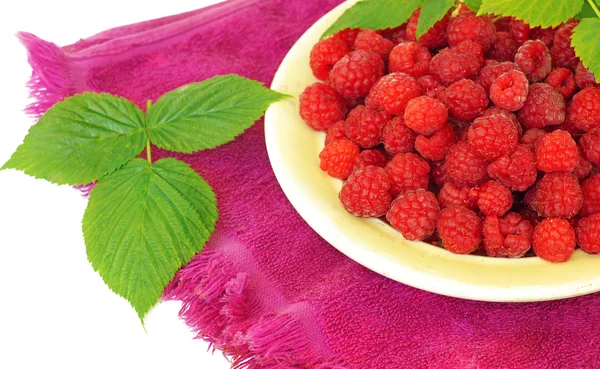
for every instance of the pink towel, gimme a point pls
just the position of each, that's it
(267, 290)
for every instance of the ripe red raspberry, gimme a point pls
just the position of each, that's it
(583, 168)
(554, 240)
(438, 173)
(410, 58)
(436, 147)
(590, 145)
(509, 91)
(435, 38)
(337, 158)
(546, 35)
(425, 115)
(369, 40)
(502, 24)
(492, 70)
(519, 30)
(356, 72)
(325, 54)
(450, 65)
(466, 100)
(588, 234)
(493, 136)
(397, 137)
(516, 170)
(510, 236)
(451, 194)
(459, 229)
(503, 49)
(557, 195)
(365, 193)
(336, 131)
(321, 106)
(531, 136)
(399, 35)
(392, 92)
(493, 198)
(348, 35)
(464, 167)
(557, 152)
(364, 126)
(466, 27)
(428, 83)
(414, 214)
(370, 157)
(533, 58)
(591, 196)
(407, 172)
(563, 54)
(563, 81)
(472, 48)
(544, 107)
(584, 77)
(494, 110)
(584, 110)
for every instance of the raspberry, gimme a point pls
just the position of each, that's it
(554, 240)
(436, 147)
(407, 172)
(509, 91)
(392, 92)
(493, 136)
(534, 59)
(410, 58)
(591, 196)
(369, 40)
(557, 152)
(519, 30)
(451, 194)
(336, 132)
(325, 54)
(563, 54)
(590, 145)
(459, 229)
(588, 234)
(397, 137)
(337, 158)
(414, 214)
(450, 65)
(370, 157)
(399, 35)
(493, 70)
(517, 170)
(583, 168)
(503, 49)
(466, 100)
(464, 167)
(557, 195)
(425, 115)
(364, 126)
(544, 107)
(348, 35)
(510, 236)
(428, 83)
(584, 77)
(438, 173)
(584, 110)
(531, 136)
(356, 72)
(321, 106)
(365, 193)
(466, 27)
(563, 81)
(493, 198)
(472, 48)
(494, 110)
(502, 24)
(435, 38)
(546, 35)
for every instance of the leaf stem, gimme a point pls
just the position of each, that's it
(148, 148)
(593, 5)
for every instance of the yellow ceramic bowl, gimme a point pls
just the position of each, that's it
(293, 150)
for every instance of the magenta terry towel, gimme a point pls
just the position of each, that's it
(267, 290)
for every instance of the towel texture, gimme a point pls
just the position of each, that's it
(267, 290)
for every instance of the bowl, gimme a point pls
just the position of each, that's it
(293, 150)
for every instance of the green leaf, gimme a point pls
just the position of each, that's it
(545, 13)
(432, 11)
(473, 5)
(587, 11)
(143, 222)
(375, 14)
(81, 139)
(586, 42)
(207, 114)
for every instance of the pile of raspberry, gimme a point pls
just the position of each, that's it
(482, 136)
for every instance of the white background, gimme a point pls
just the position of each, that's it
(55, 311)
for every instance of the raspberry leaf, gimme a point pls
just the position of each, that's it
(473, 5)
(432, 11)
(143, 222)
(545, 13)
(587, 11)
(586, 42)
(81, 139)
(207, 114)
(374, 14)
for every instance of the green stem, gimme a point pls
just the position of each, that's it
(595, 7)
(148, 149)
